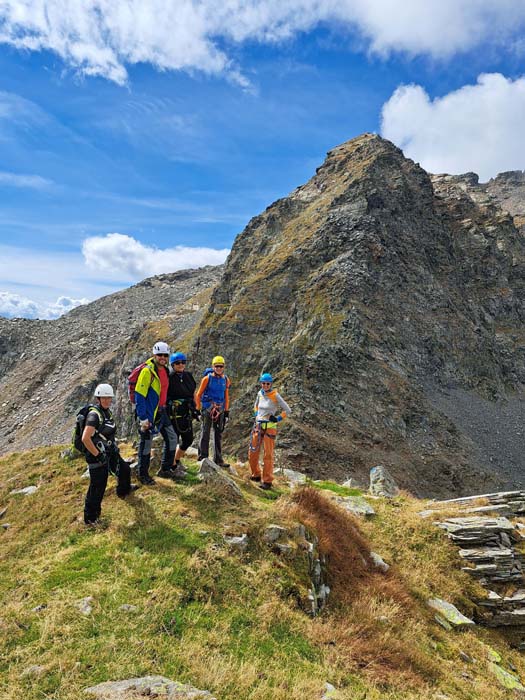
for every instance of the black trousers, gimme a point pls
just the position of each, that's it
(204, 442)
(170, 438)
(183, 426)
(98, 479)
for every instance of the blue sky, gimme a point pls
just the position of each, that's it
(141, 138)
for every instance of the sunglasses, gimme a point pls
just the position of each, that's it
(179, 362)
(265, 382)
(161, 354)
(219, 366)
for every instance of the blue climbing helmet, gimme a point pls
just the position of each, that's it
(177, 356)
(266, 377)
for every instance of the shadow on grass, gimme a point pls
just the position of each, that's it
(153, 535)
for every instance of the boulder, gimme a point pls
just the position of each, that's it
(356, 505)
(379, 562)
(382, 483)
(273, 533)
(147, 686)
(215, 477)
(237, 542)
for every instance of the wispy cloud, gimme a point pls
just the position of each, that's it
(16, 306)
(476, 128)
(117, 253)
(102, 38)
(32, 182)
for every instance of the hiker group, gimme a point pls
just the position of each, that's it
(166, 400)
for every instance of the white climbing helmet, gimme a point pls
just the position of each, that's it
(104, 391)
(161, 348)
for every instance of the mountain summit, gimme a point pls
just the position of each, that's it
(375, 296)
(388, 304)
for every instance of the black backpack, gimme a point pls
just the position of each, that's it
(80, 424)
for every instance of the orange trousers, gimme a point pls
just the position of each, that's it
(266, 440)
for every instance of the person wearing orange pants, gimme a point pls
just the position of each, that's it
(270, 409)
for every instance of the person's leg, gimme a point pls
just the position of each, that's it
(253, 453)
(98, 478)
(217, 445)
(185, 437)
(144, 455)
(123, 478)
(268, 446)
(171, 439)
(204, 442)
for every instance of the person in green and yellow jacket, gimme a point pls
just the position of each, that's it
(151, 393)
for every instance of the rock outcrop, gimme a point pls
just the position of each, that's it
(369, 292)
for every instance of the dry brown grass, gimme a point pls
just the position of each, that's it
(374, 626)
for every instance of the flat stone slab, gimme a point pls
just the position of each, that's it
(27, 491)
(505, 678)
(147, 686)
(294, 478)
(357, 505)
(450, 613)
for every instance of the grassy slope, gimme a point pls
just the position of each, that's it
(224, 622)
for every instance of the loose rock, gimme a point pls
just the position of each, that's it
(147, 686)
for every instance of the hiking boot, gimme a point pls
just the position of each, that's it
(147, 480)
(266, 486)
(224, 465)
(166, 473)
(132, 488)
(255, 478)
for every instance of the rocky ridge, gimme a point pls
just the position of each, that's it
(50, 368)
(369, 292)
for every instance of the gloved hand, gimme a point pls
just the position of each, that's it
(273, 419)
(196, 414)
(226, 418)
(144, 425)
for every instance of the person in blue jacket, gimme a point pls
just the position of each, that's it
(213, 400)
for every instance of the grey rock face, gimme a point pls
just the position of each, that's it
(216, 478)
(382, 483)
(382, 287)
(147, 686)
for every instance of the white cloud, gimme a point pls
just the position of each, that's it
(116, 253)
(102, 37)
(476, 128)
(15, 306)
(34, 182)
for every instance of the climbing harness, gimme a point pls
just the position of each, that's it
(259, 431)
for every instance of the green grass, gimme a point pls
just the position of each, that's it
(233, 624)
(336, 488)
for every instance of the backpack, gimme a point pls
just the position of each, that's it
(80, 424)
(132, 381)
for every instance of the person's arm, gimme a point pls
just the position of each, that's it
(200, 391)
(92, 425)
(227, 395)
(285, 409)
(141, 391)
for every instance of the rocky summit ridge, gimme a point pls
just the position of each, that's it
(387, 302)
(371, 292)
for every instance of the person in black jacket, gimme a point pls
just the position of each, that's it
(181, 393)
(102, 455)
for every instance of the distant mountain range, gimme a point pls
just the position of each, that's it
(387, 302)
